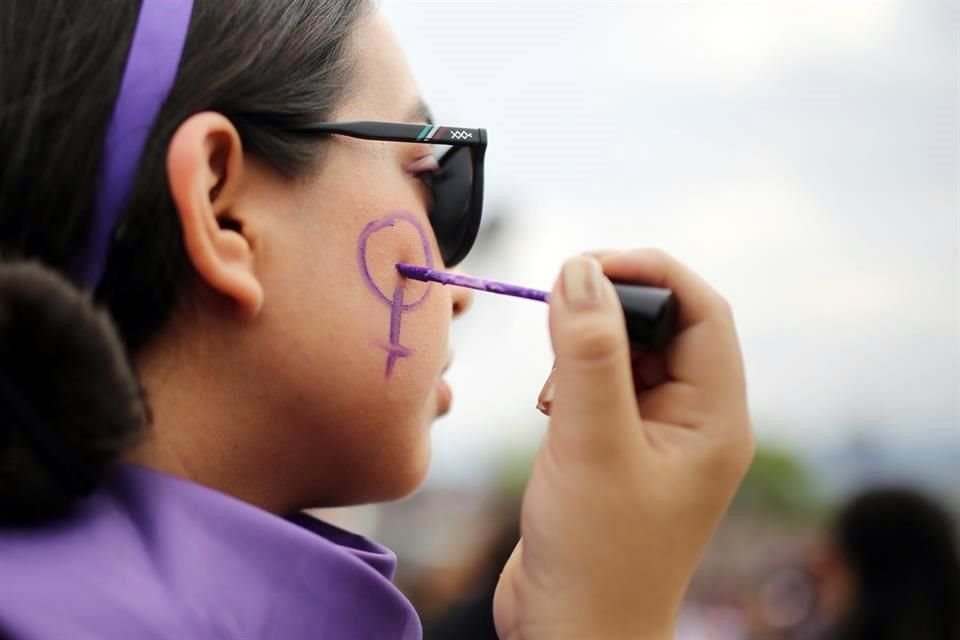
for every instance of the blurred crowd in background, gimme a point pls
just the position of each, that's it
(793, 559)
(805, 157)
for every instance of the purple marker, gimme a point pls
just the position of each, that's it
(426, 274)
(649, 312)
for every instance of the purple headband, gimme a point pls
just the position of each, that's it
(151, 68)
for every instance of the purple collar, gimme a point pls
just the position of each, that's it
(154, 556)
(151, 68)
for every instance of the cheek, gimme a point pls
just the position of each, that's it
(385, 335)
(395, 340)
(396, 237)
(414, 320)
(337, 305)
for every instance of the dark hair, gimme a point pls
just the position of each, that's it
(902, 550)
(61, 63)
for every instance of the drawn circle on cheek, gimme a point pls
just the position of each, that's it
(396, 237)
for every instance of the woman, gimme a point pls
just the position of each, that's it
(260, 354)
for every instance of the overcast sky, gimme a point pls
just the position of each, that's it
(803, 156)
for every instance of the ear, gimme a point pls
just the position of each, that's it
(205, 166)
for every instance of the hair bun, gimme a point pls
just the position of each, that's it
(69, 401)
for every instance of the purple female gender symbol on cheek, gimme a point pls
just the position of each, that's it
(395, 301)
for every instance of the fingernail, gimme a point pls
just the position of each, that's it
(600, 254)
(546, 395)
(582, 281)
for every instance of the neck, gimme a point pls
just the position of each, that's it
(208, 417)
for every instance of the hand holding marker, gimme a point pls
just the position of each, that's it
(649, 312)
(641, 457)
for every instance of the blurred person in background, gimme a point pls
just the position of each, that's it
(889, 570)
(471, 616)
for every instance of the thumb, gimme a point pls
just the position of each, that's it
(594, 402)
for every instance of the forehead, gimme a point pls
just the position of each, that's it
(383, 83)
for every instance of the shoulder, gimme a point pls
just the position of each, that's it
(92, 574)
(154, 556)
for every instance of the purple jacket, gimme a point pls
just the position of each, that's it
(152, 556)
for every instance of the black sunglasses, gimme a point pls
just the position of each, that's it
(456, 187)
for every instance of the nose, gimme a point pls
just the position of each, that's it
(461, 297)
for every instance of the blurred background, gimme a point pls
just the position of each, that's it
(805, 158)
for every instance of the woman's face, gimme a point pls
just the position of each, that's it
(351, 354)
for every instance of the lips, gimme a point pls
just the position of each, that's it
(444, 393)
(444, 397)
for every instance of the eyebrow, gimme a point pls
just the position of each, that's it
(420, 112)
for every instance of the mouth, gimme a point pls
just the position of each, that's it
(444, 397)
(444, 392)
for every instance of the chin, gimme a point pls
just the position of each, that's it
(410, 477)
(385, 482)
(401, 473)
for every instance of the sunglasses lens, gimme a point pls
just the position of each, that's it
(452, 216)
